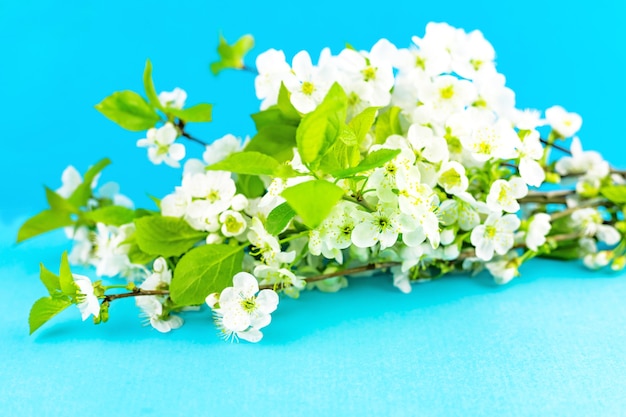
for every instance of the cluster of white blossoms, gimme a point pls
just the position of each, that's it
(458, 120)
(434, 168)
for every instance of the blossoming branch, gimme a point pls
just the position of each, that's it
(410, 160)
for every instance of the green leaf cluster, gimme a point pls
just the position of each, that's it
(62, 292)
(132, 112)
(232, 56)
(74, 210)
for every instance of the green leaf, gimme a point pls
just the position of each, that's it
(347, 136)
(198, 113)
(373, 160)
(43, 222)
(148, 85)
(50, 280)
(250, 163)
(66, 279)
(287, 110)
(279, 218)
(250, 185)
(58, 203)
(272, 116)
(276, 141)
(388, 124)
(166, 236)
(139, 257)
(253, 163)
(614, 193)
(313, 200)
(83, 192)
(319, 129)
(129, 110)
(363, 122)
(44, 309)
(232, 56)
(205, 270)
(111, 215)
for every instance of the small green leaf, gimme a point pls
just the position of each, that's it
(58, 203)
(319, 129)
(250, 163)
(50, 280)
(276, 141)
(111, 215)
(313, 200)
(388, 124)
(205, 270)
(272, 116)
(198, 113)
(347, 136)
(166, 236)
(614, 193)
(139, 257)
(232, 56)
(287, 109)
(129, 110)
(250, 185)
(363, 122)
(44, 309)
(373, 160)
(83, 192)
(148, 85)
(279, 218)
(43, 222)
(66, 279)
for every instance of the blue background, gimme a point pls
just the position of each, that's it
(551, 343)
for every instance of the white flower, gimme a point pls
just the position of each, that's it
(266, 245)
(527, 119)
(88, 303)
(492, 140)
(174, 99)
(589, 221)
(564, 123)
(446, 95)
(474, 56)
(283, 277)
(530, 151)
(452, 178)
(81, 245)
(161, 276)
(152, 309)
(505, 269)
(538, 228)
(597, 260)
(503, 195)
(310, 84)
(496, 234)
(426, 144)
(369, 75)
(175, 204)
(161, 146)
(384, 225)
(221, 148)
(464, 210)
(233, 223)
(242, 313)
(212, 191)
(71, 179)
(588, 163)
(273, 69)
(110, 256)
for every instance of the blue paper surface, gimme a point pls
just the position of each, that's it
(550, 343)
